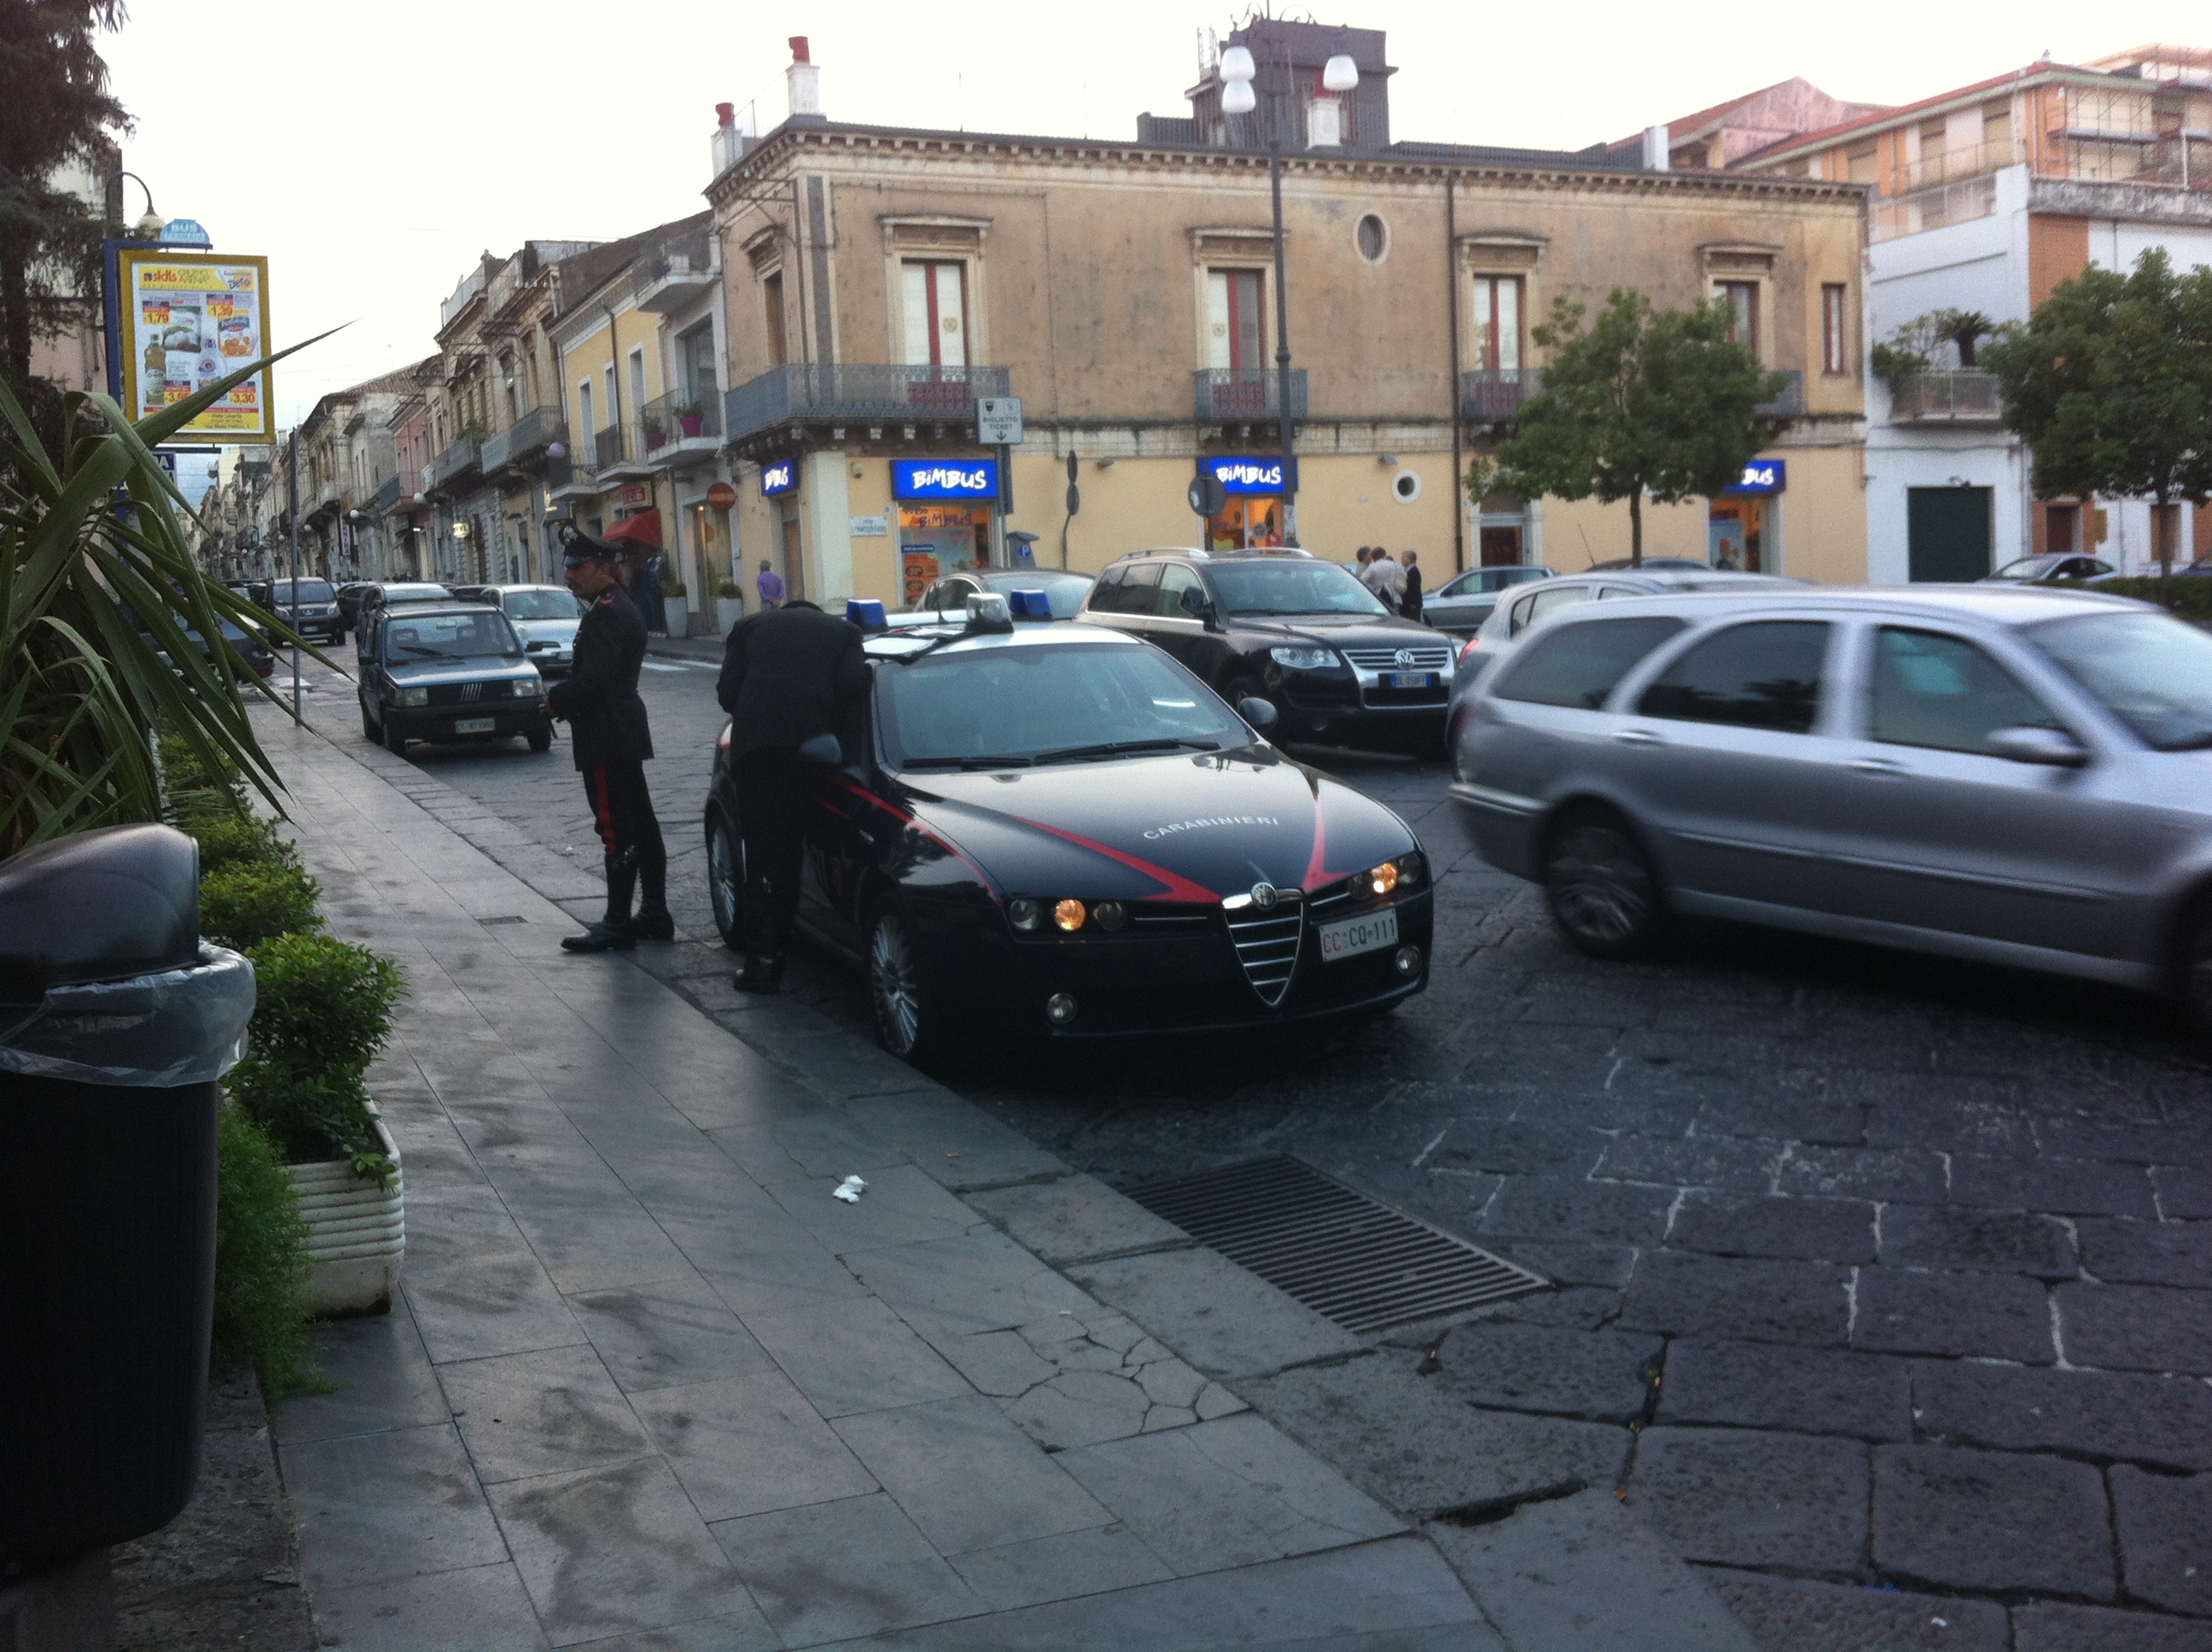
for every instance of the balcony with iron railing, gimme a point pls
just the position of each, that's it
(386, 497)
(858, 393)
(1947, 396)
(524, 441)
(670, 275)
(616, 455)
(1494, 395)
(1790, 403)
(679, 427)
(572, 476)
(1229, 394)
(463, 458)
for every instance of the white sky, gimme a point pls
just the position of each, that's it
(373, 151)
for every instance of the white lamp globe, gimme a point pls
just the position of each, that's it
(1237, 99)
(1236, 64)
(1339, 73)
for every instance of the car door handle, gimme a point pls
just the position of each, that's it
(1637, 737)
(1878, 766)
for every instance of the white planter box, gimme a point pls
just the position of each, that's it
(356, 1233)
(676, 610)
(728, 610)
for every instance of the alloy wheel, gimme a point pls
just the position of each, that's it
(894, 985)
(725, 878)
(1602, 892)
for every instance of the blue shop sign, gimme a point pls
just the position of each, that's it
(1242, 474)
(185, 231)
(1762, 476)
(779, 478)
(944, 478)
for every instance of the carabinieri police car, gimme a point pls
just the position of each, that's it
(1055, 830)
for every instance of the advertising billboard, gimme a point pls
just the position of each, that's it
(187, 319)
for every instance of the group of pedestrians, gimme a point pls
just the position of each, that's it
(789, 672)
(1397, 584)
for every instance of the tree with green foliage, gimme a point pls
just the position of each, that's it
(1648, 401)
(2110, 383)
(56, 109)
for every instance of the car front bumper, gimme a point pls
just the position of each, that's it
(437, 722)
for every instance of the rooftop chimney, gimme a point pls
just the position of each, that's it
(1655, 148)
(1324, 122)
(729, 142)
(803, 83)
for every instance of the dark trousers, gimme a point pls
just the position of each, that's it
(629, 833)
(771, 819)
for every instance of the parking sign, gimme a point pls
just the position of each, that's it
(999, 420)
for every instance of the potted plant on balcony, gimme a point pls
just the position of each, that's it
(656, 433)
(676, 608)
(729, 606)
(690, 419)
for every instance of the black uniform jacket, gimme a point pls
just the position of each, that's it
(789, 674)
(598, 697)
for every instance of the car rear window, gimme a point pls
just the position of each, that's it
(1578, 665)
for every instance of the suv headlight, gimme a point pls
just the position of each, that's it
(414, 696)
(1303, 659)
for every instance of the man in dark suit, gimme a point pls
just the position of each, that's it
(607, 723)
(789, 674)
(1409, 604)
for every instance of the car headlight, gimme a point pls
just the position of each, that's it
(414, 696)
(1381, 880)
(526, 687)
(1303, 659)
(1025, 914)
(1069, 915)
(1112, 915)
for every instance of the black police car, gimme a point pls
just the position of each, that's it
(1050, 831)
(449, 671)
(1285, 627)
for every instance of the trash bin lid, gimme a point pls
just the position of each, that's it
(101, 905)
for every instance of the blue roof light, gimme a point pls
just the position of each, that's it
(866, 612)
(1029, 604)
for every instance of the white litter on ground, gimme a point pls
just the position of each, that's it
(850, 1190)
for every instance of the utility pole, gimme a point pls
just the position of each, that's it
(1282, 425)
(292, 526)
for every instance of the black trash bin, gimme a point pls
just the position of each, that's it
(115, 1023)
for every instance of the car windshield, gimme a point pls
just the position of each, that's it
(1017, 707)
(2027, 568)
(416, 593)
(546, 605)
(1065, 592)
(2151, 670)
(449, 636)
(303, 590)
(1288, 585)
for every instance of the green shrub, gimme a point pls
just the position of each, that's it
(249, 902)
(261, 1265)
(230, 839)
(323, 1010)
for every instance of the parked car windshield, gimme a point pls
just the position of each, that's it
(2028, 567)
(301, 590)
(1290, 585)
(449, 636)
(1065, 592)
(2151, 670)
(544, 605)
(1014, 706)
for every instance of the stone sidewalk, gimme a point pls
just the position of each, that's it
(651, 1386)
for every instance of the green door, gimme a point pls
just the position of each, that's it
(1946, 533)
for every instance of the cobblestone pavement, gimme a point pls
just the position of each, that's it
(1885, 1284)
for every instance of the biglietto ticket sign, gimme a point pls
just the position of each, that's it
(187, 319)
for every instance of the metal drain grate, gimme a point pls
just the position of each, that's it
(1341, 1253)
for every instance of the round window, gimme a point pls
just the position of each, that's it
(1406, 487)
(1374, 239)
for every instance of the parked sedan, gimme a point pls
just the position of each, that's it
(544, 616)
(1461, 605)
(1054, 831)
(2015, 776)
(2053, 565)
(449, 671)
(949, 595)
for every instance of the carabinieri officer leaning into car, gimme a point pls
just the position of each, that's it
(789, 674)
(598, 699)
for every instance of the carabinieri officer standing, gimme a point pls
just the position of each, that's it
(607, 720)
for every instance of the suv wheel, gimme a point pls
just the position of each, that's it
(1600, 888)
(369, 729)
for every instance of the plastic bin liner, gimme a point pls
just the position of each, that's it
(154, 1031)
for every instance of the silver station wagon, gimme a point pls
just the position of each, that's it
(2022, 777)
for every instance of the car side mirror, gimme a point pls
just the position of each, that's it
(823, 751)
(2052, 748)
(1195, 603)
(1259, 713)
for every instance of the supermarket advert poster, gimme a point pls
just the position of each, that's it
(188, 319)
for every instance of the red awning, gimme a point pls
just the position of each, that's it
(642, 529)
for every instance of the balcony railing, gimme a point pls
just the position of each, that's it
(607, 447)
(460, 459)
(671, 274)
(569, 475)
(679, 425)
(1494, 395)
(524, 440)
(1790, 403)
(1225, 395)
(1958, 203)
(387, 497)
(859, 392)
(1949, 166)
(1948, 396)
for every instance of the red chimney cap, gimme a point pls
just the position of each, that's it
(725, 114)
(799, 49)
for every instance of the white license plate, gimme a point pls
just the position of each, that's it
(1347, 936)
(476, 724)
(1410, 680)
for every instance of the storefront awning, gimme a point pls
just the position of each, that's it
(642, 529)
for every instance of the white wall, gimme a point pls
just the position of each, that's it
(1892, 470)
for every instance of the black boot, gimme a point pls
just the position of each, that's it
(614, 932)
(652, 922)
(759, 975)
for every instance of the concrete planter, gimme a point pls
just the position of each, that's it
(676, 611)
(728, 610)
(356, 1233)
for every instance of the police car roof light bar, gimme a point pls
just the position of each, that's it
(988, 611)
(1029, 604)
(866, 612)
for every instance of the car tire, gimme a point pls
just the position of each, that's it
(541, 740)
(394, 741)
(2192, 966)
(368, 728)
(905, 1009)
(1601, 886)
(725, 879)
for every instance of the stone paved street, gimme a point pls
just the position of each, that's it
(1885, 1284)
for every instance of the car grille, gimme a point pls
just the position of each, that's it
(1268, 944)
(1425, 658)
(1162, 919)
(456, 694)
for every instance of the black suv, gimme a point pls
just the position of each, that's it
(309, 606)
(447, 670)
(1282, 626)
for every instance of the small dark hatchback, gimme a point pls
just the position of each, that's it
(1301, 633)
(449, 671)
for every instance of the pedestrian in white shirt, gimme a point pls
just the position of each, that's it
(1385, 579)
